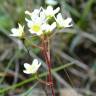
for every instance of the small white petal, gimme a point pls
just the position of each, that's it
(30, 24)
(43, 17)
(26, 65)
(51, 2)
(27, 72)
(31, 31)
(35, 61)
(56, 10)
(49, 8)
(67, 22)
(35, 67)
(39, 64)
(53, 26)
(59, 16)
(14, 35)
(20, 27)
(14, 30)
(45, 27)
(28, 13)
(39, 33)
(27, 20)
(48, 28)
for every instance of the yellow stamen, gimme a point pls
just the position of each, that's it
(36, 27)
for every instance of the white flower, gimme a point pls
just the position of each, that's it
(49, 12)
(35, 27)
(63, 22)
(33, 14)
(48, 28)
(36, 22)
(17, 32)
(33, 68)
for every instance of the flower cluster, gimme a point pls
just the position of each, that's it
(41, 21)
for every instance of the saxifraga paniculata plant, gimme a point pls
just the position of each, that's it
(42, 23)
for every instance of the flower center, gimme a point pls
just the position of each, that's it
(36, 27)
(20, 33)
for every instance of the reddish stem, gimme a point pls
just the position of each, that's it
(48, 61)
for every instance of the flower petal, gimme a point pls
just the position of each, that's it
(35, 61)
(29, 22)
(51, 2)
(59, 15)
(67, 22)
(26, 71)
(20, 27)
(14, 30)
(28, 13)
(53, 26)
(26, 65)
(57, 10)
(39, 64)
(49, 8)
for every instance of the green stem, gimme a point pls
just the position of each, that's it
(34, 78)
